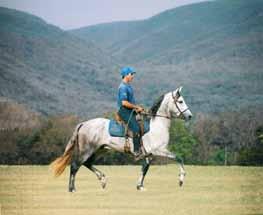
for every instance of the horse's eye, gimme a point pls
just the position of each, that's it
(181, 102)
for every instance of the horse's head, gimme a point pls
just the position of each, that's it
(177, 106)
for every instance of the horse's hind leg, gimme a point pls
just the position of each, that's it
(74, 167)
(100, 175)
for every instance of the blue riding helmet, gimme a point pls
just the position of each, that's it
(126, 71)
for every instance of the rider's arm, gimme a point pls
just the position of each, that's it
(131, 106)
(123, 96)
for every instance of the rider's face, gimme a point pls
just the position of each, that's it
(130, 77)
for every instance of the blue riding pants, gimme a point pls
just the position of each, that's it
(129, 115)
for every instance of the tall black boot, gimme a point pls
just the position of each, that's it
(137, 147)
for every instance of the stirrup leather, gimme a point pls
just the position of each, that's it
(127, 145)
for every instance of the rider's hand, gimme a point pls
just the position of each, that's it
(139, 109)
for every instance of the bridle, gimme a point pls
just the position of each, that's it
(175, 99)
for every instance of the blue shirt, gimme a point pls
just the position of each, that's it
(125, 93)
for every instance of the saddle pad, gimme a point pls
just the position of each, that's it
(118, 130)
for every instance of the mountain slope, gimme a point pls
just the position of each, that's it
(176, 29)
(49, 69)
(214, 49)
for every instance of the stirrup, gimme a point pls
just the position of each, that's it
(138, 155)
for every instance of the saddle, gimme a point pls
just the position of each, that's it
(118, 128)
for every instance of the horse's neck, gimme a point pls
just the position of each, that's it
(158, 137)
(161, 125)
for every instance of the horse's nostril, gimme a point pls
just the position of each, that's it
(190, 117)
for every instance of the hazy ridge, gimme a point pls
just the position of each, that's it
(214, 49)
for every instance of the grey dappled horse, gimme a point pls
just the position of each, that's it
(90, 137)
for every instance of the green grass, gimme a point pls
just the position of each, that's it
(207, 190)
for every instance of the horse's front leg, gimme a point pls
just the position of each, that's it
(145, 168)
(182, 172)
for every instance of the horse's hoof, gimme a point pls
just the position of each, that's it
(141, 188)
(103, 182)
(72, 190)
(181, 183)
(181, 178)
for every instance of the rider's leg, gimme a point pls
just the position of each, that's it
(134, 126)
(129, 117)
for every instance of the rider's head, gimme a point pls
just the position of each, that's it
(127, 74)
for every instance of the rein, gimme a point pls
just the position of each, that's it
(149, 114)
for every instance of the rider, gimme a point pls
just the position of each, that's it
(128, 108)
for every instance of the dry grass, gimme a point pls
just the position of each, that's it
(32, 190)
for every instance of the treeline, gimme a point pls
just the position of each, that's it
(229, 138)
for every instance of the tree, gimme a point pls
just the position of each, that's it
(182, 142)
(253, 155)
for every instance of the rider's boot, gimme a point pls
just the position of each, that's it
(138, 153)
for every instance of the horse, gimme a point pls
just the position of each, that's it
(91, 138)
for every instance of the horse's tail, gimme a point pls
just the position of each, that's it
(58, 166)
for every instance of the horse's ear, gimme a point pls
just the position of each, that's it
(178, 93)
(180, 89)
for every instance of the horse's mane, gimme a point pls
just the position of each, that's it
(156, 105)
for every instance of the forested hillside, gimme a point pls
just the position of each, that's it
(214, 49)
(196, 30)
(49, 69)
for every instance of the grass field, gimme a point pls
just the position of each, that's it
(31, 190)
